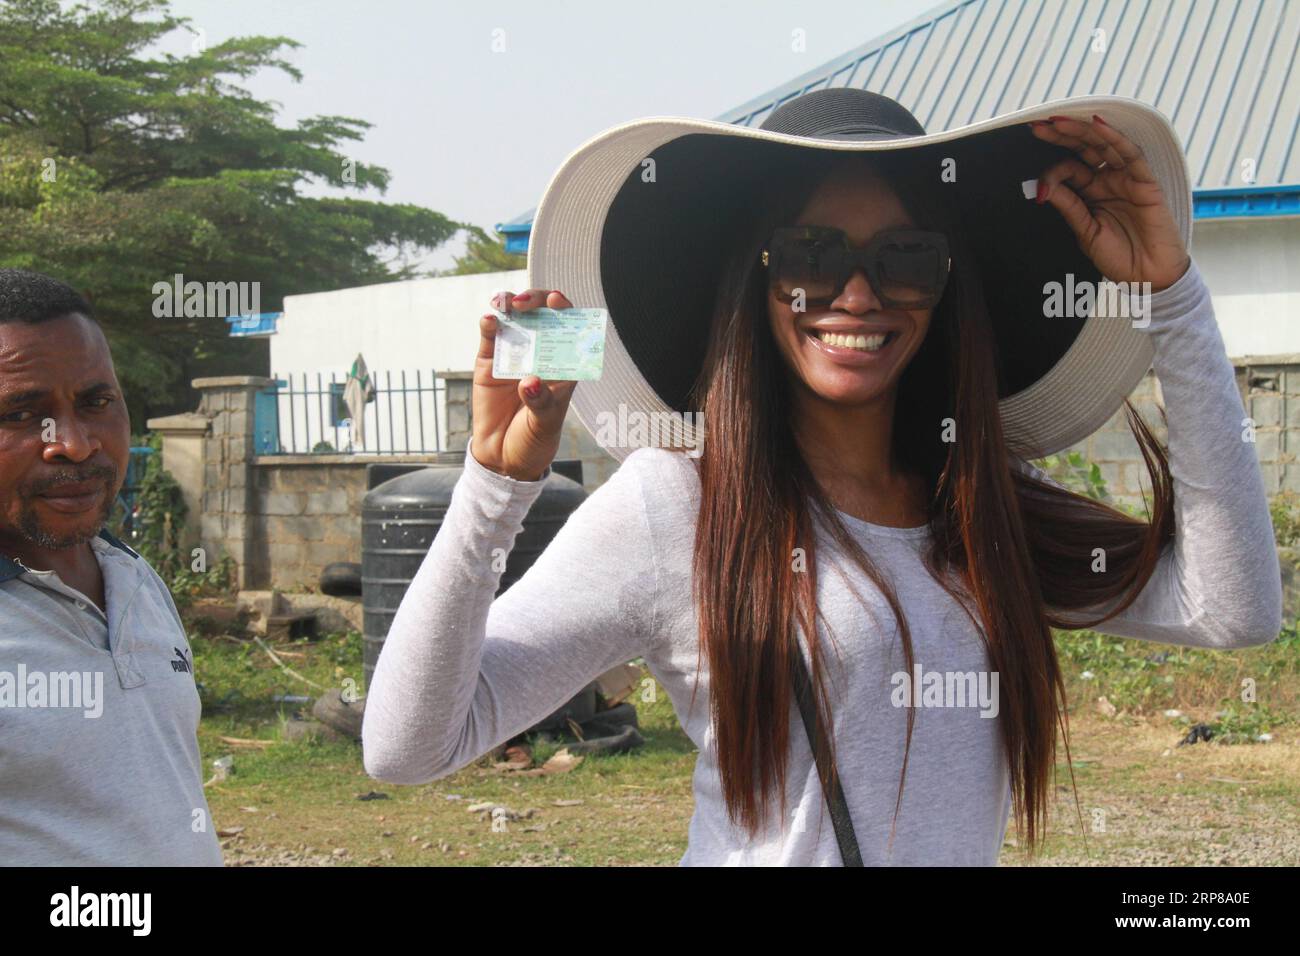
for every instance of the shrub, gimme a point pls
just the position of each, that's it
(160, 517)
(1284, 509)
(1079, 476)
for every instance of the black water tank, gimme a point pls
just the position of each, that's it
(399, 520)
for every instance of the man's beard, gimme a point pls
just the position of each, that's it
(29, 523)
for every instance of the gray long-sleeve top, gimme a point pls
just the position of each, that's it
(460, 673)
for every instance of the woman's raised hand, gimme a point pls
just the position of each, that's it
(516, 422)
(1118, 212)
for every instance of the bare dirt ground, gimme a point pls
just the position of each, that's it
(1147, 802)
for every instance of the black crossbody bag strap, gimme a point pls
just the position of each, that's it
(835, 803)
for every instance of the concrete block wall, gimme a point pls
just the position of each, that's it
(1114, 448)
(307, 514)
(1270, 392)
(1270, 388)
(282, 518)
(226, 517)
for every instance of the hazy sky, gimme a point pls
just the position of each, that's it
(476, 134)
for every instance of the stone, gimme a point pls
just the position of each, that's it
(1272, 478)
(311, 529)
(1265, 409)
(292, 626)
(291, 528)
(1111, 474)
(1267, 444)
(1150, 413)
(286, 556)
(328, 502)
(332, 613)
(283, 503)
(310, 478)
(344, 530)
(1113, 446)
(328, 552)
(344, 717)
(1135, 478)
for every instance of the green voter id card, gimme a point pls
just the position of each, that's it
(557, 345)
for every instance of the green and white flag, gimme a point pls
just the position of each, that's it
(357, 393)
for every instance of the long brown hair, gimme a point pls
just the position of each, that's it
(1013, 545)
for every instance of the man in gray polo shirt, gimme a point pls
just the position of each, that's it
(99, 762)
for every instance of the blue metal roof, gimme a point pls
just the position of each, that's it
(516, 231)
(1223, 72)
(261, 323)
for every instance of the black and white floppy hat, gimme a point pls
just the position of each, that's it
(652, 256)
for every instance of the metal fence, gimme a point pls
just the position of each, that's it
(136, 466)
(305, 413)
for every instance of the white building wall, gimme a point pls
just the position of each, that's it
(422, 323)
(1252, 267)
(420, 326)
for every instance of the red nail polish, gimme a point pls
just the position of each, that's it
(1099, 120)
(1042, 192)
(521, 297)
(533, 390)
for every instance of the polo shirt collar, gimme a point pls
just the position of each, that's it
(10, 569)
(116, 543)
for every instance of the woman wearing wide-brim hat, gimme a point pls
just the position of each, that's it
(863, 332)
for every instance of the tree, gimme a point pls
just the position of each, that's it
(120, 168)
(485, 254)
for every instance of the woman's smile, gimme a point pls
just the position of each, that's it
(851, 343)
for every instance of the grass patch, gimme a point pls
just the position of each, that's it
(1146, 678)
(296, 802)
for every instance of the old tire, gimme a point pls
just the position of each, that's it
(341, 579)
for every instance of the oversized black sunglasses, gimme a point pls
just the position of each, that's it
(907, 268)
